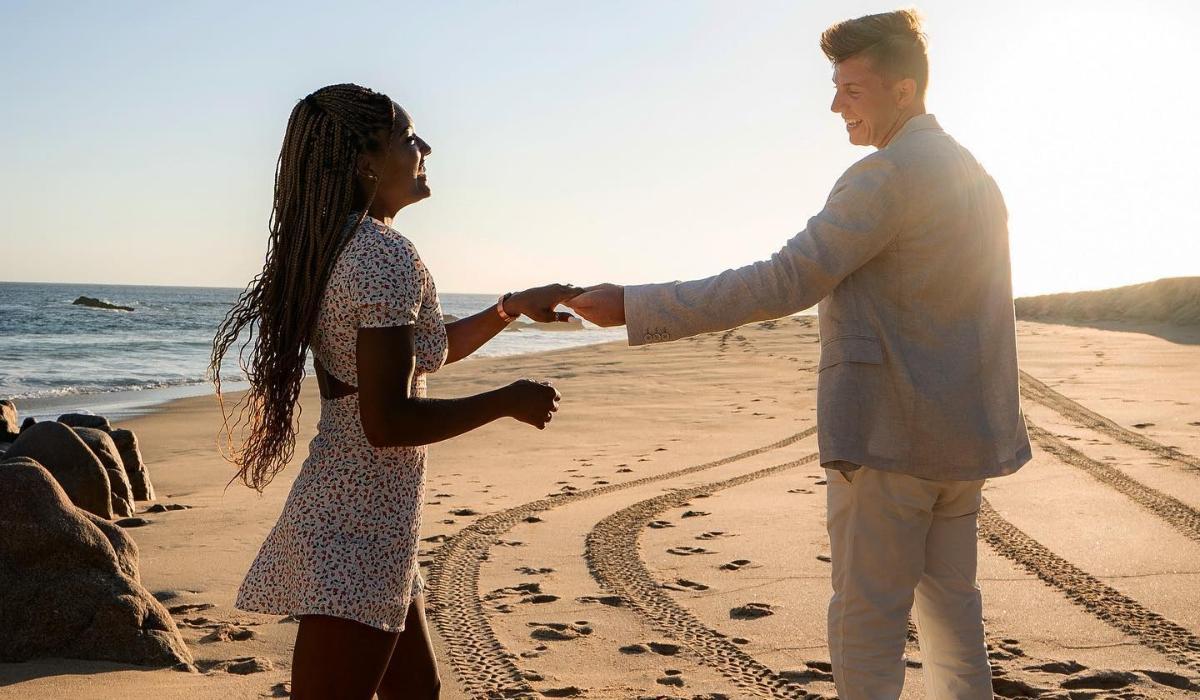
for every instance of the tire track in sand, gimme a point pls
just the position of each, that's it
(1036, 390)
(612, 556)
(1106, 603)
(482, 664)
(1176, 513)
(612, 552)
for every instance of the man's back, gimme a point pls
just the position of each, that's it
(938, 301)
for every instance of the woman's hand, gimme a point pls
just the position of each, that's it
(539, 303)
(533, 402)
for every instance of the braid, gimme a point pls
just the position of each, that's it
(315, 191)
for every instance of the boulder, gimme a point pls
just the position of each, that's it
(25, 424)
(135, 468)
(85, 420)
(9, 427)
(79, 472)
(70, 581)
(106, 451)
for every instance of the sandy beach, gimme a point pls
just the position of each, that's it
(665, 536)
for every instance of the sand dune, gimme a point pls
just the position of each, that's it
(1170, 300)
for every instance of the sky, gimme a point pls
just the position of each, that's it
(582, 142)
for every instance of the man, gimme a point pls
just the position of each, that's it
(917, 399)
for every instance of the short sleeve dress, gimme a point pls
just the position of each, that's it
(346, 542)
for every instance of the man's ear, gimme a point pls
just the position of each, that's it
(905, 91)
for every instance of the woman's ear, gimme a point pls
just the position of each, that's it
(364, 168)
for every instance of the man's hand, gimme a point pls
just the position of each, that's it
(603, 305)
(538, 303)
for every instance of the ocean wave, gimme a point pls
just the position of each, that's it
(87, 390)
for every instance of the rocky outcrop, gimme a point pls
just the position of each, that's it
(106, 451)
(85, 420)
(135, 468)
(9, 425)
(76, 469)
(95, 303)
(70, 580)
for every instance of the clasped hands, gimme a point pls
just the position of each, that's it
(602, 304)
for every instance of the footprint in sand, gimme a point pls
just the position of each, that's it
(1139, 426)
(464, 512)
(228, 633)
(189, 608)
(683, 584)
(533, 519)
(531, 571)
(799, 490)
(612, 601)
(559, 631)
(436, 538)
(751, 611)
(242, 666)
(713, 535)
(281, 690)
(736, 564)
(659, 524)
(673, 678)
(527, 588)
(624, 470)
(132, 522)
(694, 514)
(688, 551)
(824, 557)
(1065, 668)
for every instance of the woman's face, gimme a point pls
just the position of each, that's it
(399, 168)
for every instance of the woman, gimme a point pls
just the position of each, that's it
(338, 278)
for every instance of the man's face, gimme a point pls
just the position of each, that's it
(872, 110)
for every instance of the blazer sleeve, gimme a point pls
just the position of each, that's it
(860, 218)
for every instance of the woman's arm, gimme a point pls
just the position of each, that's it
(391, 416)
(465, 336)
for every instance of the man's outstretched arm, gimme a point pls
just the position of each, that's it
(863, 214)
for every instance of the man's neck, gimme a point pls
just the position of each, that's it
(902, 118)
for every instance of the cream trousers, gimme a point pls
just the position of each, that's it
(896, 540)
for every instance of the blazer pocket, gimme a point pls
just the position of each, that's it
(850, 348)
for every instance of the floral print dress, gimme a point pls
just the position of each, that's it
(345, 544)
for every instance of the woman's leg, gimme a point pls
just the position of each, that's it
(413, 671)
(339, 658)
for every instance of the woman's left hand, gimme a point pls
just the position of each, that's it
(538, 303)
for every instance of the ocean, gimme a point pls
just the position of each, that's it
(59, 357)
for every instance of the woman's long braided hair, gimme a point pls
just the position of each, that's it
(316, 189)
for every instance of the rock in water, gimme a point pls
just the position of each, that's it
(135, 468)
(98, 304)
(70, 581)
(85, 420)
(9, 427)
(57, 448)
(106, 451)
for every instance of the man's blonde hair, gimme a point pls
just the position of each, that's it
(893, 42)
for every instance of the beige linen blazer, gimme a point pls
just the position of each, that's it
(909, 260)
